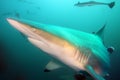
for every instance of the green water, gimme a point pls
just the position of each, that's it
(26, 60)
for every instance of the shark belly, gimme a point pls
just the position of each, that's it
(61, 50)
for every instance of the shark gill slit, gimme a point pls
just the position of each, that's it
(76, 54)
(85, 58)
(82, 59)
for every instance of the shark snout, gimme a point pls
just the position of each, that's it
(27, 30)
(19, 26)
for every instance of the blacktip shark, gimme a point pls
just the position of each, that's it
(78, 50)
(92, 3)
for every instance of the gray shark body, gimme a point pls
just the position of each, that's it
(92, 3)
(79, 50)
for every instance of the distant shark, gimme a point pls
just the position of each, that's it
(78, 50)
(92, 3)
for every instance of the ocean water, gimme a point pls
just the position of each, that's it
(20, 60)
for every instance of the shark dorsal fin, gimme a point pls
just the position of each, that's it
(100, 32)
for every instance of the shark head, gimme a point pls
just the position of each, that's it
(38, 37)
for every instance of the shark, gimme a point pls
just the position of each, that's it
(93, 3)
(80, 51)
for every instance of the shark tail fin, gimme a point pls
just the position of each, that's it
(111, 5)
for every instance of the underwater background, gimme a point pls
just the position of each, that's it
(20, 60)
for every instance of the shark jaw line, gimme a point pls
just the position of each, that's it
(36, 42)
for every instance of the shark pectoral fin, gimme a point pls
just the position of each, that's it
(52, 66)
(91, 71)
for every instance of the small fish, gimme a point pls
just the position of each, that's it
(92, 3)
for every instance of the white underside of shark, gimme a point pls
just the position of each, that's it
(76, 49)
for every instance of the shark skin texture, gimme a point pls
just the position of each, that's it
(78, 50)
